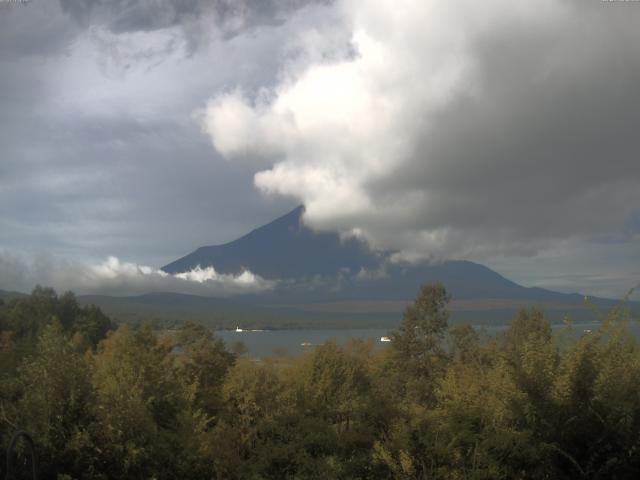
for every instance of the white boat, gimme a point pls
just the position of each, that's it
(305, 344)
(385, 339)
(238, 329)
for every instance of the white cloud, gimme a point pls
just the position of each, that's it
(457, 129)
(120, 278)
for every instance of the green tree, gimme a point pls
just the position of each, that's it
(417, 346)
(26, 317)
(339, 403)
(464, 344)
(254, 435)
(203, 361)
(56, 404)
(92, 324)
(140, 405)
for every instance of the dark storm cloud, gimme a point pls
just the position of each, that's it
(464, 130)
(34, 28)
(552, 145)
(116, 185)
(127, 16)
(46, 28)
(99, 157)
(199, 20)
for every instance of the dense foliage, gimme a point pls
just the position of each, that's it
(124, 403)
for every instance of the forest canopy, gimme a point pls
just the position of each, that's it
(118, 402)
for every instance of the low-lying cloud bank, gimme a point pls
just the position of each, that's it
(115, 277)
(453, 129)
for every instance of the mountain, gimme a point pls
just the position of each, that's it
(171, 309)
(8, 295)
(284, 248)
(324, 281)
(320, 267)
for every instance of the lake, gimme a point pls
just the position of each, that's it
(262, 343)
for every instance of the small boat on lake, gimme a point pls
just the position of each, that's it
(385, 339)
(306, 344)
(238, 329)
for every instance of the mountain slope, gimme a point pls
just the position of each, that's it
(321, 267)
(284, 248)
(6, 295)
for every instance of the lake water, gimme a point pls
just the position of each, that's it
(263, 343)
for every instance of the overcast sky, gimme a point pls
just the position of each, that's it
(498, 131)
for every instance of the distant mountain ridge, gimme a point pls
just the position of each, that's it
(6, 295)
(322, 267)
(323, 281)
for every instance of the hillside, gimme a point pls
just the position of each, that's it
(284, 248)
(321, 267)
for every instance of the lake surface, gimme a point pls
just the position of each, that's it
(264, 343)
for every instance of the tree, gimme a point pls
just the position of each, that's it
(91, 323)
(335, 388)
(464, 344)
(254, 435)
(527, 325)
(56, 404)
(204, 362)
(238, 348)
(26, 317)
(417, 348)
(140, 405)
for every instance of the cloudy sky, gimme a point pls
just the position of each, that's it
(498, 131)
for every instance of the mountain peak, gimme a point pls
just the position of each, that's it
(299, 210)
(291, 219)
(320, 265)
(283, 248)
